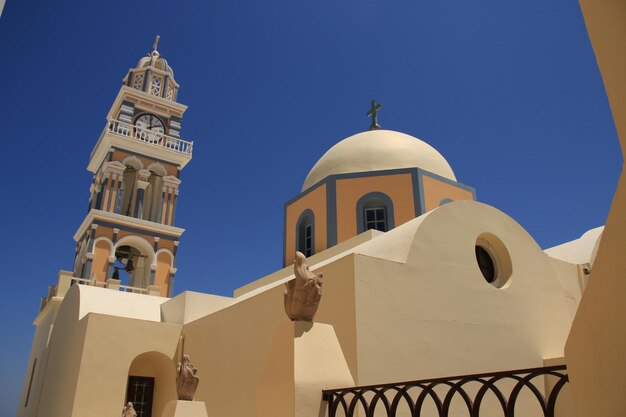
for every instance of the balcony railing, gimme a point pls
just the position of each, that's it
(154, 138)
(454, 396)
(66, 280)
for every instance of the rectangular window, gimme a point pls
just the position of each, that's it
(139, 392)
(376, 218)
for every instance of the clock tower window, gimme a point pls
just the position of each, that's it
(155, 86)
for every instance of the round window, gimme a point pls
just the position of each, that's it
(493, 260)
(486, 265)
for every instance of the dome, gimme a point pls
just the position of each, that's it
(377, 150)
(155, 60)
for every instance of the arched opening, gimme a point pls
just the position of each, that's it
(154, 193)
(151, 384)
(374, 211)
(305, 233)
(133, 260)
(164, 263)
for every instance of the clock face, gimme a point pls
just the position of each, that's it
(150, 128)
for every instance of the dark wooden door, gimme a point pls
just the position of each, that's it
(140, 392)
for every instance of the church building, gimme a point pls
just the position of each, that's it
(420, 281)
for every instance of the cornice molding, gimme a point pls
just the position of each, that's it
(125, 220)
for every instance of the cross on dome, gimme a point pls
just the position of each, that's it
(154, 46)
(373, 113)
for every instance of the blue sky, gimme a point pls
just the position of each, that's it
(508, 92)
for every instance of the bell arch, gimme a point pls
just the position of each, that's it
(137, 250)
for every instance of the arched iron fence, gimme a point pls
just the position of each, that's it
(543, 384)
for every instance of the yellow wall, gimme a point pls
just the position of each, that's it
(316, 202)
(104, 231)
(399, 188)
(162, 276)
(597, 342)
(100, 264)
(436, 190)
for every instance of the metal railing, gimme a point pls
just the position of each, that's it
(467, 391)
(154, 138)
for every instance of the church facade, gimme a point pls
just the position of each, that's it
(420, 281)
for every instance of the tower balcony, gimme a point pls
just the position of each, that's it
(118, 134)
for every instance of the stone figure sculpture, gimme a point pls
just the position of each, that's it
(303, 293)
(129, 411)
(186, 379)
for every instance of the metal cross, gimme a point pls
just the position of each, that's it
(373, 113)
(156, 43)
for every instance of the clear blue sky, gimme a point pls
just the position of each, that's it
(508, 92)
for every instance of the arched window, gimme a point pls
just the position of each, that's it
(374, 211)
(305, 233)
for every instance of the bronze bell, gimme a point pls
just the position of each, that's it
(129, 266)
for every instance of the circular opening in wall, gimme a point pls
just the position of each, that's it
(485, 263)
(493, 260)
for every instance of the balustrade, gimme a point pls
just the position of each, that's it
(152, 137)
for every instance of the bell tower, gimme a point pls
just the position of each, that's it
(128, 233)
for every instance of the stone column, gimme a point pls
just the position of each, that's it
(174, 207)
(170, 287)
(142, 186)
(172, 183)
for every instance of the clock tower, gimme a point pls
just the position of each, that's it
(128, 237)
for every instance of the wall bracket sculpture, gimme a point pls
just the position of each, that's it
(304, 292)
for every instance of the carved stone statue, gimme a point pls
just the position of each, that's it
(129, 411)
(186, 379)
(303, 293)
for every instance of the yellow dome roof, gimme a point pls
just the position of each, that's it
(377, 150)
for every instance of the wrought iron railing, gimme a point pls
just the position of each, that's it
(154, 138)
(540, 386)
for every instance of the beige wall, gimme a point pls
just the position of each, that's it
(316, 202)
(399, 188)
(66, 348)
(90, 358)
(596, 345)
(436, 190)
(435, 315)
(248, 351)
(40, 352)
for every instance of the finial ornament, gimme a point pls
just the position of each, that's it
(156, 43)
(373, 113)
